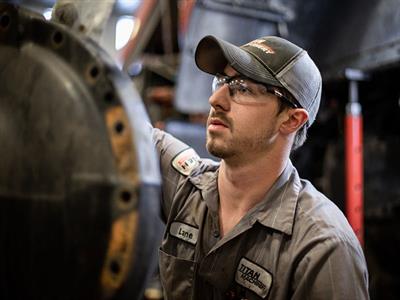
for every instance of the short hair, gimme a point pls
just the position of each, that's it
(301, 134)
(300, 137)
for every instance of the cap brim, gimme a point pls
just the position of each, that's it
(213, 55)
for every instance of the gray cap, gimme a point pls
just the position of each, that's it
(271, 60)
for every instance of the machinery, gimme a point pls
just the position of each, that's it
(77, 167)
(79, 179)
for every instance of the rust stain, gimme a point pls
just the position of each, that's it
(124, 229)
(119, 252)
(122, 143)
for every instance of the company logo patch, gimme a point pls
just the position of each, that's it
(259, 43)
(253, 277)
(184, 232)
(185, 161)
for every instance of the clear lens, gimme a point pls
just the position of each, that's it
(235, 84)
(243, 90)
(239, 88)
(215, 84)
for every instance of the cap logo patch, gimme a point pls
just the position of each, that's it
(253, 277)
(185, 161)
(260, 44)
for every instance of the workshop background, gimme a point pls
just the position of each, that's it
(352, 152)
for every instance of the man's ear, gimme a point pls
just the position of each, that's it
(296, 118)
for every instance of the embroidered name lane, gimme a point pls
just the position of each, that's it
(184, 232)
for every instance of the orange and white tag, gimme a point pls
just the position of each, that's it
(186, 161)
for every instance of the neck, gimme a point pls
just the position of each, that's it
(245, 184)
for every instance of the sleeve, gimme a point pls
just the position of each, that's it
(334, 269)
(177, 160)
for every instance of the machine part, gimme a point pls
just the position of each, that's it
(354, 156)
(270, 11)
(79, 178)
(361, 37)
(185, 11)
(147, 16)
(81, 17)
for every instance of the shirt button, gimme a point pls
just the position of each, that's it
(216, 233)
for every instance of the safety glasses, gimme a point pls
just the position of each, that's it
(245, 90)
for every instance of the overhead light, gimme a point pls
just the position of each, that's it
(128, 6)
(47, 13)
(123, 31)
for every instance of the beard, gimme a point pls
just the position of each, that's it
(240, 144)
(239, 140)
(215, 143)
(217, 149)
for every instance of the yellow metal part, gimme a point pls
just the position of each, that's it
(122, 144)
(119, 254)
(124, 228)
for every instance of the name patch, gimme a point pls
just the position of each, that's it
(184, 232)
(253, 277)
(186, 161)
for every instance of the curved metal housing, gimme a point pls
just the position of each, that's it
(79, 181)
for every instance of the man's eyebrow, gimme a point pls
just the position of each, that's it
(235, 76)
(232, 76)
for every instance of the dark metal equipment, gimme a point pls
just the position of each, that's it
(364, 37)
(79, 182)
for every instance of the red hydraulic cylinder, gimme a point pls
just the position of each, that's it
(354, 164)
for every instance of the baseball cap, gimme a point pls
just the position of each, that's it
(271, 60)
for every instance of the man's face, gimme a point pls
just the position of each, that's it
(241, 123)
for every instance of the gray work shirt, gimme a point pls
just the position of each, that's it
(295, 244)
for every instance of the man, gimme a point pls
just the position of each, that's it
(250, 228)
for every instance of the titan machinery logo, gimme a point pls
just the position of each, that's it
(253, 277)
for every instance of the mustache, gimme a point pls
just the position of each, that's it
(221, 116)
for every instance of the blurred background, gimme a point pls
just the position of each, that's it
(352, 152)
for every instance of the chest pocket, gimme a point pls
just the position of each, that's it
(177, 276)
(177, 261)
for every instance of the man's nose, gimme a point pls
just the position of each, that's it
(219, 100)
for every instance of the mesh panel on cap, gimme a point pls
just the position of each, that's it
(303, 80)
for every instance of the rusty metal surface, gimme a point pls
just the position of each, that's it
(79, 182)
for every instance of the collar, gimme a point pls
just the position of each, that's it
(277, 209)
(206, 181)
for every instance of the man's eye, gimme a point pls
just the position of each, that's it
(242, 88)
